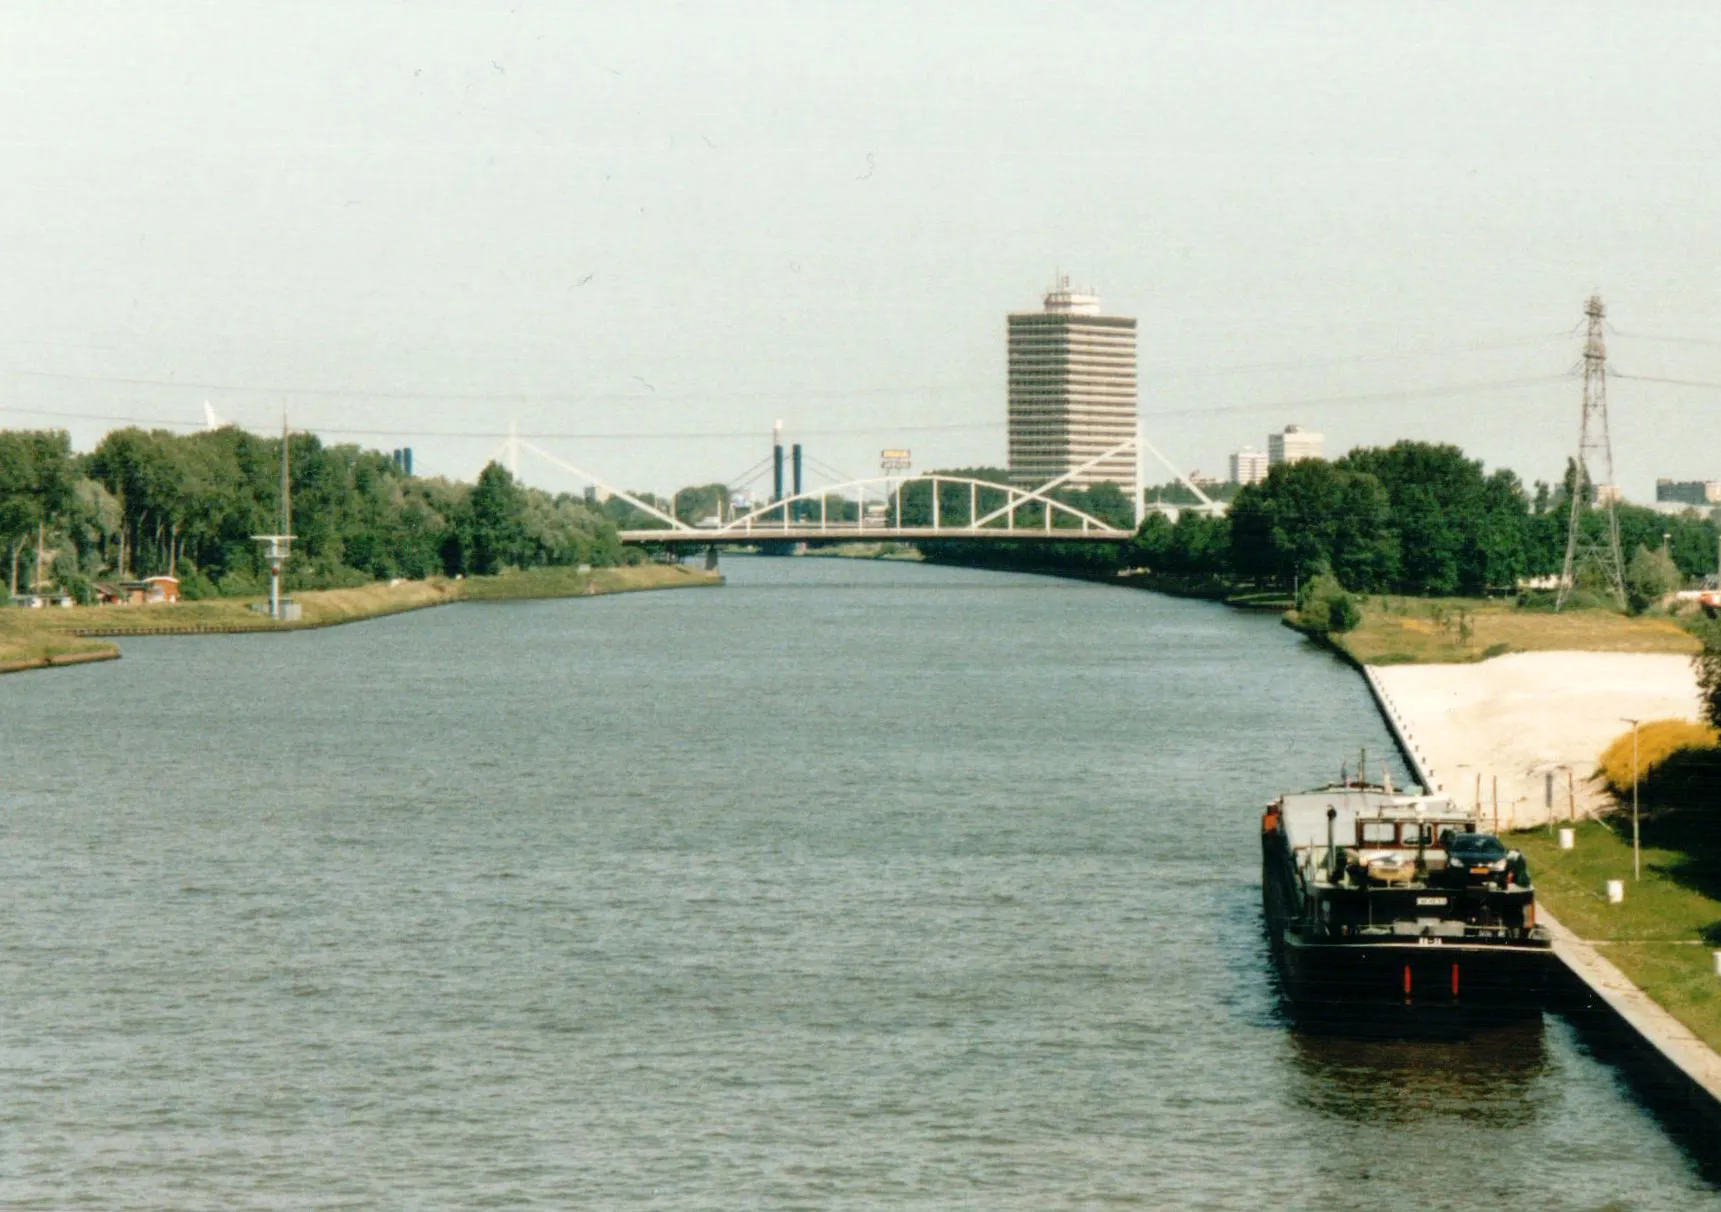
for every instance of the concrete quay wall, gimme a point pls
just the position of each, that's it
(1675, 1070)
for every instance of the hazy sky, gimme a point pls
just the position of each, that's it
(405, 220)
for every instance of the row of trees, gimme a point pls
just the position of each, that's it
(1415, 518)
(151, 501)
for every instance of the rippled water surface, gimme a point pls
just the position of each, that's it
(850, 885)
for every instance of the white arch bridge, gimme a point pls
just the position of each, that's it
(902, 508)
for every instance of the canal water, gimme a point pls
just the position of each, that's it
(850, 885)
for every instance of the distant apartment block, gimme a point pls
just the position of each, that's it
(1689, 492)
(1293, 446)
(1072, 391)
(1608, 494)
(1249, 466)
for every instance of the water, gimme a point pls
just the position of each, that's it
(850, 885)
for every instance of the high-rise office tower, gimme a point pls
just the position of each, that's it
(1293, 446)
(1072, 392)
(1249, 466)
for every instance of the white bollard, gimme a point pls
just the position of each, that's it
(1717, 955)
(1615, 891)
(1568, 838)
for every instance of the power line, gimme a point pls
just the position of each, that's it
(836, 473)
(1457, 389)
(1358, 359)
(1619, 374)
(489, 397)
(1644, 336)
(1384, 397)
(352, 393)
(638, 436)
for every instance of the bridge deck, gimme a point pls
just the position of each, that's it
(871, 534)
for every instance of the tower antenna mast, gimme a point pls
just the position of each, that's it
(1595, 452)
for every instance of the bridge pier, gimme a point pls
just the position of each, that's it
(711, 558)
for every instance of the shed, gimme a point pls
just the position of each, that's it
(150, 590)
(162, 589)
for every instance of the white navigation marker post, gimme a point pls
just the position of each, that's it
(277, 547)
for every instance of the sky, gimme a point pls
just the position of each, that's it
(642, 233)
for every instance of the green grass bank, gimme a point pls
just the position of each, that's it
(1662, 935)
(36, 639)
(1439, 631)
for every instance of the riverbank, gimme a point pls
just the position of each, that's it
(24, 645)
(38, 639)
(1522, 721)
(1422, 631)
(1660, 938)
(536, 583)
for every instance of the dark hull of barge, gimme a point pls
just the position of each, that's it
(1409, 988)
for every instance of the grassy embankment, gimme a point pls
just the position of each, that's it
(1662, 935)
(569, 583)
(38, 638)
(25, 644)
(1405, 631)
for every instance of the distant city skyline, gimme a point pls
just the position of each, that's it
(650, 233)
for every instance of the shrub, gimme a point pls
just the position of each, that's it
(1657, 741)
(78, 585)
(1342, 613)
(1649, 577)
(240, 584)
(195, 586)
(1707, 665)
(1323, 604)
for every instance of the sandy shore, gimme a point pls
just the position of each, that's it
(1523, 716)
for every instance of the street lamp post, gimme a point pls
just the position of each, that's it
(1636, 861)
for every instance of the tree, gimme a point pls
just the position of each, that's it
(1458, 531)
(1649, 577)
(158, 501)
(495, 522)
(1498, 547)
(1199, 545)
(1151, 543)
(36, 479)
(1314, 516)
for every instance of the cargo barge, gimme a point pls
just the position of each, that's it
(1394, 913)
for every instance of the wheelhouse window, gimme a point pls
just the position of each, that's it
(1377, 833)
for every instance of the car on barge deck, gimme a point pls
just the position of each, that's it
(1393, 913)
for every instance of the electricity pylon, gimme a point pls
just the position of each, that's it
(1595, 451)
